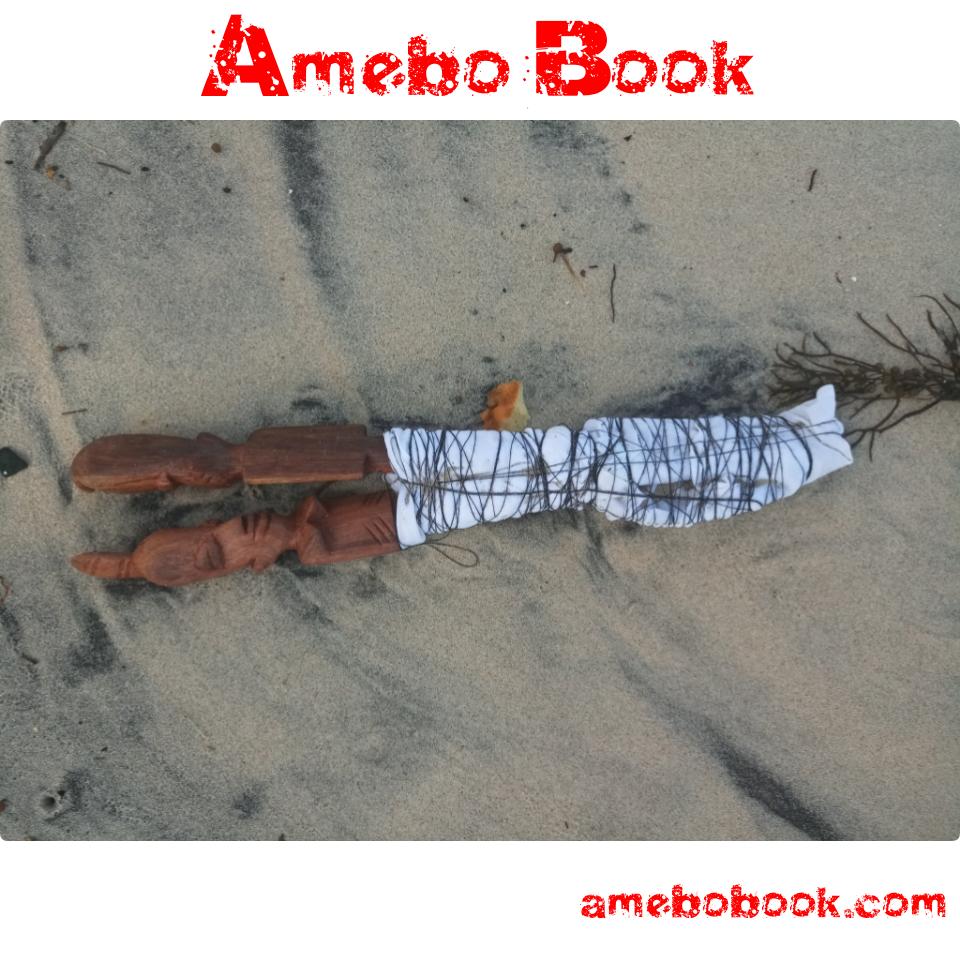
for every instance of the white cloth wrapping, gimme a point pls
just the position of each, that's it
(651, 471)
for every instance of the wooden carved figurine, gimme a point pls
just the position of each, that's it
(134, 463)
(651, 471)
(341, 528)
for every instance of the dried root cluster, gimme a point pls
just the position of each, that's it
(891, 393)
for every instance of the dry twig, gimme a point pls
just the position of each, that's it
(896, 393)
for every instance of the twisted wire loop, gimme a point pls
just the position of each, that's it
(655, 472)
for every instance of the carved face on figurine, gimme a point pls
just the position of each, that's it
(175, 557)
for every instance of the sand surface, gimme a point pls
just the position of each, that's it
(790, 674)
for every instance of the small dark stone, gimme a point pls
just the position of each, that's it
(10, 463)
(144, 169)
(226, 190)
(248, 804)
(215, 147)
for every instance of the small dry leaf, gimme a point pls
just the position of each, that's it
(505, 408)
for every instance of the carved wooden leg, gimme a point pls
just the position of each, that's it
(132, 463)
(331, 531)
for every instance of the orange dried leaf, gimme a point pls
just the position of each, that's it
(505, 408)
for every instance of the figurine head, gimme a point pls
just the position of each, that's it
(176, 557)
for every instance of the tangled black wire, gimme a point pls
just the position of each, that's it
(648, 471)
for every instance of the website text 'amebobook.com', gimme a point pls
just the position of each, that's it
(746, 904)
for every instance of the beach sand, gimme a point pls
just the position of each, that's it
(787, 674)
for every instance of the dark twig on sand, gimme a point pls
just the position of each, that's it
(112, 166)
(559, 250)
(613, 306)
(813, 176)
(48, 144)
(897, 392)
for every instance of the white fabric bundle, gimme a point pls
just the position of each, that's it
(650, 471)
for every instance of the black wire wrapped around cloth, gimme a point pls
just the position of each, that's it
(650, 471)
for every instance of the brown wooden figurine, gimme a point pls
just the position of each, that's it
(328, 531)
(136, 462)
